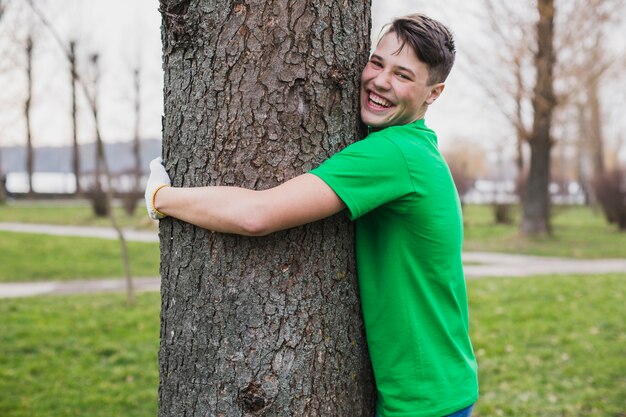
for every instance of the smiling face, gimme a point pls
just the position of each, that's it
(394, 89)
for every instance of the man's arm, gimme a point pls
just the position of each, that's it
(301, 200)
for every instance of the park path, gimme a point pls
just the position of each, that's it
(481, 264)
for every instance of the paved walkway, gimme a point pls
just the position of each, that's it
(31, 289)
(81, 231)
(482, 264)
(509, 265)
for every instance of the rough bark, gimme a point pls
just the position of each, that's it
(536, 205)
(256, 93)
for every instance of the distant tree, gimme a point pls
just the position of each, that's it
(515, 75)
(71, 57)
(28, 112)
(3, 194)
(590, 64)
(536, 203)
(257, 93)
(133, 196)
(505, 59)
(610, 189)
(97, 194)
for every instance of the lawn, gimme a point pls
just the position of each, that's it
(79, 356)
(579, 232)
(70, 212)
(547, 346)
(33, 257)
(550, 346)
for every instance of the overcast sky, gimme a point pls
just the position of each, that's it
(126, 33)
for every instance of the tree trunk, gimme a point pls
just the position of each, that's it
(596, 142)
(27, 111)
(3, 193)
(257, 93)
(75, 148)
(136, 131)
(536, 205)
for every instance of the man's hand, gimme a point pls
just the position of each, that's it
(157, 180)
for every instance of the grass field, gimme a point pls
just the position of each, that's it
(550, 346)
(579, 232)
(76, 213)
(79, 356)
(547, 347)
(32, 257)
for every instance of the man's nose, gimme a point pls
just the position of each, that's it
(383, 80)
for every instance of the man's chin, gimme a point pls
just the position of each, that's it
(376, 122)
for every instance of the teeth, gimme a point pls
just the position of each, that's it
(379, 100)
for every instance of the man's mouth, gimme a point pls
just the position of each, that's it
(379, 101)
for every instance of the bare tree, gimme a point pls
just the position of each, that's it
(92, 99)
(588, 64)
(257, 93)
(3, 195)
(27, 112)
(136, 132)
(131, 199)
(536, 204)
(529, 84)
(504, 57)
(75, 148)
(97, 194)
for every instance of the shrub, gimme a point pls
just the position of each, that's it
(99, 201)
(130, 201)
(502, 213)
(610, 189)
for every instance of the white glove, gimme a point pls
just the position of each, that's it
(158, 179)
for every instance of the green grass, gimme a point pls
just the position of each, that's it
(546, 346)
(79, 356)
(550, 346)
(33, 257)
(75, 213)
(579, 232)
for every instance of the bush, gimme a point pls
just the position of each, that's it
(99, 201)
(462, 179)
(502, 213)
(130, 201)
(610, 191)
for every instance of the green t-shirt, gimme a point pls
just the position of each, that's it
(409, 234)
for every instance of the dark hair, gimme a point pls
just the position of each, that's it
(432, 42)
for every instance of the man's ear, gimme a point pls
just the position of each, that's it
(435, 92)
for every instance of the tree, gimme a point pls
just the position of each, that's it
(536, 204)
(503, 55)
(256, 93)
(27, 113)
(71, 57)
(3, 194)
(588, 65)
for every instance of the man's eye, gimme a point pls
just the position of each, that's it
(376, 64)
(404, 76)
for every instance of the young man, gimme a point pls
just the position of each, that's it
(398, 189)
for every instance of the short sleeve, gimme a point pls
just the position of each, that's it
(367, 174)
